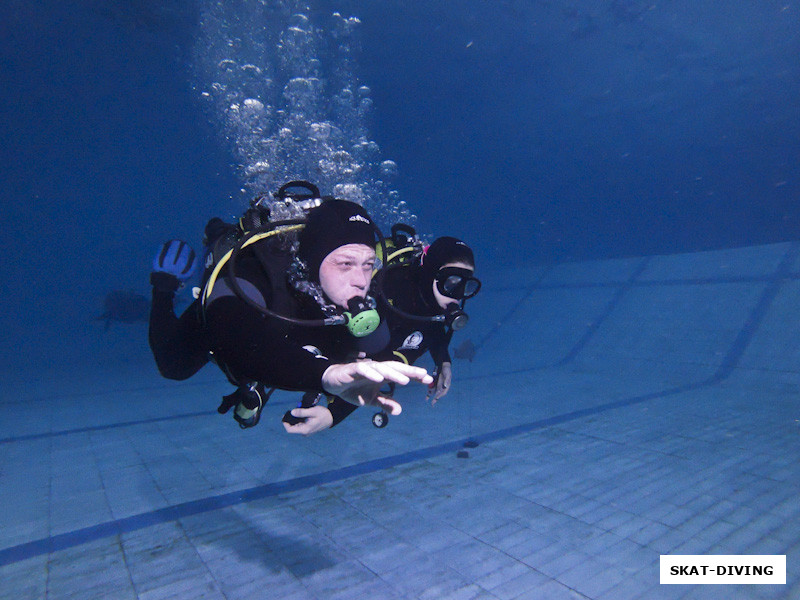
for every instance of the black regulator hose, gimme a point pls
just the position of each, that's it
(356, 325)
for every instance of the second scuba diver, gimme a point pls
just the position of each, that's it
(424, 298)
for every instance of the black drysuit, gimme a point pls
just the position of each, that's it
(248, 345)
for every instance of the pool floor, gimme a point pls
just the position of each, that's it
(571, 454)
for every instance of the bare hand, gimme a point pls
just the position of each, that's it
(360, 382)
(317, 418)
(443, 382)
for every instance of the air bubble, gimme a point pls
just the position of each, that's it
(341, 156)
(254, 105)
(251, 70)
(257, 168)
(389, 167)
(289, 102)
(320, 131)
(349, 191)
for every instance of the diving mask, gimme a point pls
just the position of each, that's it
(458, 283)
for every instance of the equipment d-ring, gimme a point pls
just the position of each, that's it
(380, 419)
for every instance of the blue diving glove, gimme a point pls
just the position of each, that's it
(173, 264)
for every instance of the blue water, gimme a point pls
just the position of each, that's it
(627, 404)
(537, 131)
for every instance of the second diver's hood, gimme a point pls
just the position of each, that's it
(442, 251)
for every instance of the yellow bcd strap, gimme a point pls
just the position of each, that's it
(212, 279)
(401, 356)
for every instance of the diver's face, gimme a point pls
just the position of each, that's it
(346, 273)
(441, 299)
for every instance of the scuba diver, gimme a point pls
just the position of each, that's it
(422, 293)
(284, 304)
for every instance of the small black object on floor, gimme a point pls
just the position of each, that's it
(467, 444)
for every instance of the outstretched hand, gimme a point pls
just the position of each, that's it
(360, 382)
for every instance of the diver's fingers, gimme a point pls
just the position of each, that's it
(390, 405)
(379, 372)
(368, 370)
(350, 379)
(385, 371)
(315, 418)
(401, 373)
(412, 372)
(365, 396)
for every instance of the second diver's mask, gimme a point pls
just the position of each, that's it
(457, 283)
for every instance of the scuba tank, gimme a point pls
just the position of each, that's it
(402, 248)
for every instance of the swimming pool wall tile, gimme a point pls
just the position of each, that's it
(597, 272)
(544, 327)
(753, 262)
(775, 346)
(682, 329)
(687, 317)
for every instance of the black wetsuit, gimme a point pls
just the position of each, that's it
(410, 338)
(179, 344)
(248, 345)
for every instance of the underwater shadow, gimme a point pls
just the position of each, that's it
(266, 534)
(300, 554)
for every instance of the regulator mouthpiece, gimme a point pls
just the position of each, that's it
(362, 318)
(455, 317)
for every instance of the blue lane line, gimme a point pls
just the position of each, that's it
(50, 434)
(168, 514)
(756, 316)
(610, 308)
